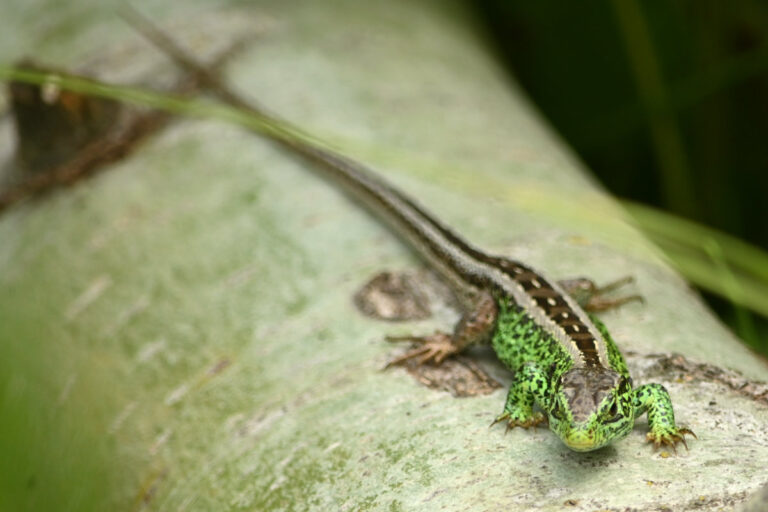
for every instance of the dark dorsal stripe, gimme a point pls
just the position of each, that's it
(543, 293)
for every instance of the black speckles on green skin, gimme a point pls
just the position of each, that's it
(543, 369)
(519, 339)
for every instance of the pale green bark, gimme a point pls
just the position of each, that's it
(178, 332)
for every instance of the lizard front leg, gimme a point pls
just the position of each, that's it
(475, 326)
(654, 399)
(529, 387)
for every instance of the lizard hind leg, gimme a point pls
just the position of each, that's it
(592, 297)
(433, 348)
(474, 327)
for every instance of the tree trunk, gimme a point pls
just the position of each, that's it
(179, 333)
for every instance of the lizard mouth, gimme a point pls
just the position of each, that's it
(581, 441)
(582, 445)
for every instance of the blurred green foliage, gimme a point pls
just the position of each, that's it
(667, 102)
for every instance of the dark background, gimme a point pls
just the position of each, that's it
(666, 101)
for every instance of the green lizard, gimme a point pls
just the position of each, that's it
(564, 360)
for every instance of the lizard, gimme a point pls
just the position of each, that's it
(564, 360)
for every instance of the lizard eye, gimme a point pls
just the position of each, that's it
(614, 410)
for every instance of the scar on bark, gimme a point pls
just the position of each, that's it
(410, 295)
(65, 136)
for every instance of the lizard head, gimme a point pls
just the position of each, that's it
(591, 407)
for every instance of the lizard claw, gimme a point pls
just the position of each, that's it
(500, 417)
(433, 349)
(532, 421)
(669, 438)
